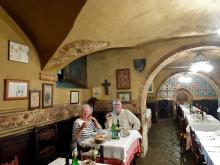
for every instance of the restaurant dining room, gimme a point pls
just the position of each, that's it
(109, 82)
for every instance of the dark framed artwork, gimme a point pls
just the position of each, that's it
(47, 95)
(123, 78)
(16, 89)
(151, 88)
(74, 97)
(34, 99)
(18, 52)
(125, 97)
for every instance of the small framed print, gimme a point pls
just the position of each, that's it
(18, 52)
(47, 96)
(16, 89)
(74, 97)
(151, 88)
(125, 97)
(34, 99)
(123, 78)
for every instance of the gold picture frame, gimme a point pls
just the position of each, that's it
(18, 52)
(125, 97)
(47, 95)
(16, 89)
(123, 78)
(34, 99)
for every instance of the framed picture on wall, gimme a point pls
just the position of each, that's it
(97, 92)
(125, 97)
(17, 52)
(34, 99)
(47, 95)
(16, 89)
(123, 78)
(151, 88)
(74, 97)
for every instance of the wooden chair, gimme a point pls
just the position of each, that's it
(81, 150)
(13, 162)
(182, 134)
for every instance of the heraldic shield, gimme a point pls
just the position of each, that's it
(139, 64)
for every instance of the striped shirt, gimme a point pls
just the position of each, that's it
(85, 133)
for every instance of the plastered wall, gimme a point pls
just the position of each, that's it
(31, 71)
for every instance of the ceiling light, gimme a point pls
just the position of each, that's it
(185, 79)
(200, 63)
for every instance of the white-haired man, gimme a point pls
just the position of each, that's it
(125, 117)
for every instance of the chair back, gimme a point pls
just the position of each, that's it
(13, 162)
(82, 149)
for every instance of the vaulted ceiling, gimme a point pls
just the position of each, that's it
(52, 24)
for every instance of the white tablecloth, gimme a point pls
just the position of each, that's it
(209, 124)
(116, 149)
(210, 144)
(61, 161)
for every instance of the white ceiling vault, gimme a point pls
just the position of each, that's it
(115, 23)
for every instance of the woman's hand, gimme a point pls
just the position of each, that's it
(97, 125)
(84, 125)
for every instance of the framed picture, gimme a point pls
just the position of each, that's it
(123, 78)
(125, 97)
(47, 96)
(151, 88)
(97, 92)
(34, 99)
(74, 97)
(18, 52)
(16, 89)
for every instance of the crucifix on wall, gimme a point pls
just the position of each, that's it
(105, 84)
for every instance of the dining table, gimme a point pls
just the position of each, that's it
(210, 144)
(120, 150)
(62, 161)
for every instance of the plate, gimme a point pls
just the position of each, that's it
(88, 162)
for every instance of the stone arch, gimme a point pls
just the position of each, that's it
(166, 59)
(154, 70)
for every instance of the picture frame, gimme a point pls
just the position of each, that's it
(18, 52)
(47, 95)
(97, 92)
(123, 78)
(125, 97)
(16, 89)
(151, 88)
(34, 99)
(74, 97)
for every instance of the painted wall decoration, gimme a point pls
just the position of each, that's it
(199, 87)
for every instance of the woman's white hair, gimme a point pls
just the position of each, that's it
(84, 106)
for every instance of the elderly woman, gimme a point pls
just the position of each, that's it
(84, 126)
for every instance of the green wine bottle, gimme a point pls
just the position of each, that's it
(113, 131)
(75, 160)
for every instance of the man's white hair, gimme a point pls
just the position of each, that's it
(116, 101)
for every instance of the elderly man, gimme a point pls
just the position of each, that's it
(84, 126)
(126, 118)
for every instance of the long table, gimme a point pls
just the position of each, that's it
(208, 124)
(206, 134)
(122, 149)
(210, 144)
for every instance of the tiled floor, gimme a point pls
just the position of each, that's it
(164, 148)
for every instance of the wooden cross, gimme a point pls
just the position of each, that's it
(105, 85)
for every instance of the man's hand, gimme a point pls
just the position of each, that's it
(108, 116)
